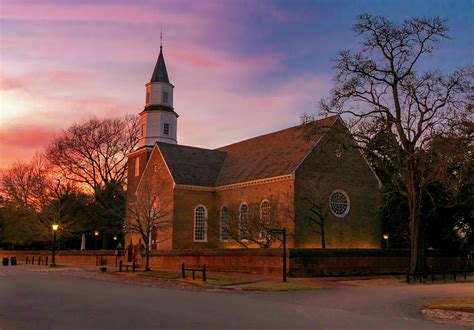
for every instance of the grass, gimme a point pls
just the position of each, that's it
(223, 281)
(460, 304)
(160, 274)
(280, 286)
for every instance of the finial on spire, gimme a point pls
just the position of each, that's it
(161, 37)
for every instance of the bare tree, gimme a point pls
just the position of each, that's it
(35, 200)
(380, 90)
(313, 210)
(251, 224)
(94, 153)
(149, 217)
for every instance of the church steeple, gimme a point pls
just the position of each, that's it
(160, 74)
(158, 120)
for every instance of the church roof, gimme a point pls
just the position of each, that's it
(261, 157)
(269, 155)
(159, 73)
(191, 165)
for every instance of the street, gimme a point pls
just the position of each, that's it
(49, 300)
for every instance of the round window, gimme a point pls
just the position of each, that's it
(339, 203)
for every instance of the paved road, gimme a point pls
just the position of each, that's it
(39, 300)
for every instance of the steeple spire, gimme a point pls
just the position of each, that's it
(160, 74)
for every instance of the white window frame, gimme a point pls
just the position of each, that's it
(221, 232)
(169, 128)
(240, 222)
(261, 234)
(204, 239)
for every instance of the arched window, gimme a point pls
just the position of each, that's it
(244, 233)
(137, 166)
(264, 219)
(225, 225)
(200, 224)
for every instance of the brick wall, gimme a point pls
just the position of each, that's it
(325, 170)
(343, 262)
(301, 262)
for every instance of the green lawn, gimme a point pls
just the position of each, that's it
(279, 286)
(160, 274)
(461, 304)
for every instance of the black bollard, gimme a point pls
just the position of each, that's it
(133, 266)
(465, 275)
(26, 261)
(46, 261)
(39, 261)
(408, 276)
(33, 260)
(454, 276)
(183, 275)
(204, 273)
(120, 266)
(194, 275)
(432, 274)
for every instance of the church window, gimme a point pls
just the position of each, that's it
(225, 225)
(166, 129)
(200, 224)
(339, 203)
(264, 219)
(165, 97)
(137, 166)
(244, 233)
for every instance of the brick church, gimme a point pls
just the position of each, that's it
(306, 179)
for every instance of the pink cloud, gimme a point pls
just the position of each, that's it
(29, 137)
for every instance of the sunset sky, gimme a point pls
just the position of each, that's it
(240, 68)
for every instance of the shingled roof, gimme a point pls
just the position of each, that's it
(191, 165)
(269, 155)
(261, 157)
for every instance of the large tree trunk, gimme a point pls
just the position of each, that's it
(417, 253)
(147, 259)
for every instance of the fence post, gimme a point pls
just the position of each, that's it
(120, 266)
(204, 273)
(133, 266)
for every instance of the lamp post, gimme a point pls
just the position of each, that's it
(385, 238)
(53, 259)
(283, 233)
(96, 234)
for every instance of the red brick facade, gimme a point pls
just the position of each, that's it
(325, 168)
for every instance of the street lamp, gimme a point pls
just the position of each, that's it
(283, 233)
(385, 238)
(96, 234)
(53, 259)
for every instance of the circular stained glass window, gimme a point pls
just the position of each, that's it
(339, 203)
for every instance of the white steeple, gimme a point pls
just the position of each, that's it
(158, 121)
